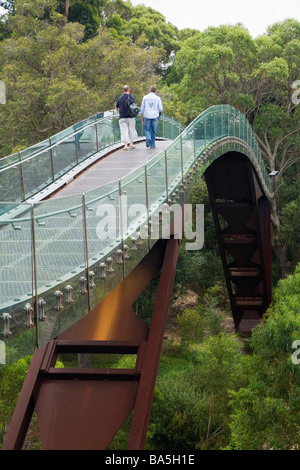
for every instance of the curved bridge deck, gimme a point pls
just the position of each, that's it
(110, 168)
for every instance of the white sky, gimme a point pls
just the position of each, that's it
(255, 15)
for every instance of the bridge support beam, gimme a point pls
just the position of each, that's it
(143, 403)
(83, 408)
(241, 214)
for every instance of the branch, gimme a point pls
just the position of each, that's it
(282, 160)
(288, 135)
(209, 419)
(45, 130)
(287, 164)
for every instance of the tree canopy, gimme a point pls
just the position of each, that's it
(54, 78)
(62, 61)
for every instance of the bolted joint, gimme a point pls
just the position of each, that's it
(110, 268)
(41, 309)
(69, 289)
(91, 279)
(58, 295)
(120, 257)
(139, 239)
(126, 255)
(102, 270)
(134, 247)
(6, 317)
(29, 312)
(83, 284)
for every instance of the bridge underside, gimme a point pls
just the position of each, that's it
(83, 408)
(242, 218)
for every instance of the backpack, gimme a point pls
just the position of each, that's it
(132, 107)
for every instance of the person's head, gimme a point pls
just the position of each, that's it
(153, 89)
(126, 89)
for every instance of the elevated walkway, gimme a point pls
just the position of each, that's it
(81, 238)
(55, 266)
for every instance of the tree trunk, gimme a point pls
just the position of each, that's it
(67, 6)
(280, 249)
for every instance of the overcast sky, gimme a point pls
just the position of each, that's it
(255, 15)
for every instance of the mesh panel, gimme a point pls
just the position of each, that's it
(16, 282)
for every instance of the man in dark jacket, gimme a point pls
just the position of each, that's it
(126, 122)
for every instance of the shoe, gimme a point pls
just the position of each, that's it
(125, 148)
(132, 146)
(153, 147)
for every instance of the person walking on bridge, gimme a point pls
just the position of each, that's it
(126, 121)
(150, 111)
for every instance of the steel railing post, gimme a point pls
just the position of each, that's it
(86, 251)
(147, 206)
(181, 157)
(51, 160)
(22, 177)
(121, 227)
(166, 175)
(76, 145)
(34, 277)
(96, 128)
(194, 141)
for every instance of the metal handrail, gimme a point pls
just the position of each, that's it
(191, 160)
(161, 155)
(50, 147)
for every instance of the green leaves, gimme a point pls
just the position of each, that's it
(266, 412)
(54, 79)
(276, 69)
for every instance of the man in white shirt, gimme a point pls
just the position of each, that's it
(150, 111)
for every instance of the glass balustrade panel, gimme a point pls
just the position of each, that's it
(37, 173)
(17, 323)
(64, 152)
(61, 264)
(104, 241)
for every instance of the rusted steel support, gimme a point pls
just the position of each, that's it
(21, 418)
(83, 408)
(144, 398)
(242, 219)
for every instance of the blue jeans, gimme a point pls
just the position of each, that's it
(150, 127)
